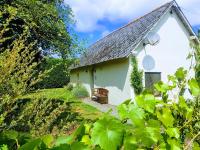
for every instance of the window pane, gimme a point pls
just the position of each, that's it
(151, 78)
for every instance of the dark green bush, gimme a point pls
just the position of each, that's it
(69, 87)
(58, 76)
(136, 77)
(38, 116)
(80, 91)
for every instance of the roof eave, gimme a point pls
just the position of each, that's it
(151, 29)
(185, 21)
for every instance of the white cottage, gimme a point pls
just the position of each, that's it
(160, 40)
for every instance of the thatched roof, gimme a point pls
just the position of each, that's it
(121, 42)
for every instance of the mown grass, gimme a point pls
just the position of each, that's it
(86, 111)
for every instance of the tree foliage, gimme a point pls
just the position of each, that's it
(58, 77)
(136, 77)
(49, 21)
(18, 69)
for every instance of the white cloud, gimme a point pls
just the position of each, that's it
(88, 13)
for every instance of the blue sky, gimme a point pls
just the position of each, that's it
(97, 18)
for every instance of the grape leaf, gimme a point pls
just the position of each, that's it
(181, 74)
(61, 147)
(32, 145)
(166, 117)
(147, 102)
(86, 140)
(174, 144)
(47, 139)
(147, 136)
(79, 146)
(130, 142)
(162, 87)
(133, 112)
(107, 133)
(173, 132)
(194, 87)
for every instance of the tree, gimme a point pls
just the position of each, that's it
(136, 77)
(50, 22)
(18, 69)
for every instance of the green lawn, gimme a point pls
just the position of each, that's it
(86, 111)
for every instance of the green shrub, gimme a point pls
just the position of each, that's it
(136, 77)
(69, 87)
(80, 91)
(57, 77)
(18, 68)
(153, 124)
(39, 116)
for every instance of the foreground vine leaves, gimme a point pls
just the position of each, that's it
(145, 123)
(107, 133)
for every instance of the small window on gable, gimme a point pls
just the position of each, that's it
(150, 79)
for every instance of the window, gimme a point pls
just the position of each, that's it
(151, 78)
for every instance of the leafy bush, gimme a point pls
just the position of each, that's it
(136, 77)
(153, 124)
(18, 68)
(38, 116)
(80, 91)
(58, 76)
(69, 87)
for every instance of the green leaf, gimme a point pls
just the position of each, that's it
(174, 144)
(147, 102)
(133, 112)
(13, 135)
(173, 132)
(194, 87)
(87, 128)
(195, 146)
(64, 140)
(182, 103)
(166, 117)
(107, 133)
(47, 139)
(181, 74)
(153, 123)
(77, 135)
(130, 142)
(79, 146)
(4, 147)
(147, 136)
(32, 145)
(86, 140)
(162, 87)
(187, 112)
(61, 147)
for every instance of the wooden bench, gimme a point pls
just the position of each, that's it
(100, 95)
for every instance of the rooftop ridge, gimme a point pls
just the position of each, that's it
(131, 22)
(120, 42)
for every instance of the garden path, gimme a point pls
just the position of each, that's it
(102, 107)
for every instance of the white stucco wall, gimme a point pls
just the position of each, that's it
(83, 77)
(114, 77)
(171, 52)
